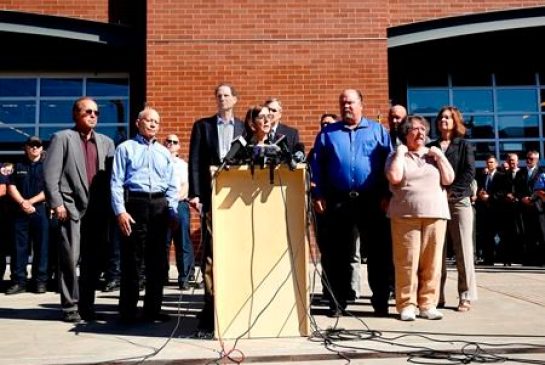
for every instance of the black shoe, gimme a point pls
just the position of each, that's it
(16, 289)
(184, 286)
(128, 320)
(110, 286)
(440, 305)
(41, 288)
(203, 334)
(156, 318)
(335, 312)
(72, 317)
(381, 312)
(88, 316)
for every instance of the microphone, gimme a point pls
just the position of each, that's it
(299, 152)
(237, 145)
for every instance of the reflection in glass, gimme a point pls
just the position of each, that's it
(472, 77)
(513, 126)
(542, 92)
(483, 149)
(108, 87)
(518, 147)
(426, 101)
(61, 87)
(17, 111)
(473, 101)
(17, 87)
(56, 111)
(14, 134)
(117, 133)
(113, 111)
(479, 126)
(515, 78)
(517, 100)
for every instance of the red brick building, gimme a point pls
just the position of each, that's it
(481, 56)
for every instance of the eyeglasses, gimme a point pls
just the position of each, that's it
(419, 129)
(171, 141)
(91, 111)
(34, 145)
(263, 116)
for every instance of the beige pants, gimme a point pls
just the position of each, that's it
(418, 248)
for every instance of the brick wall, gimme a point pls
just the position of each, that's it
(96, 10)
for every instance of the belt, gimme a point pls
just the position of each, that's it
(143, 194)
(345, 195)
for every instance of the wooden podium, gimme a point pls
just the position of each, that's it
(260, 253)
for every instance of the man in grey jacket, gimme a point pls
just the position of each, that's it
(77, 169)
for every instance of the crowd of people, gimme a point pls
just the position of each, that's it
(87, 209)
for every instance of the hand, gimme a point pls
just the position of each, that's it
(526, 200)
(401, 150)
(27, 207)
(195, 203)
(124, 221)
(173, 220)
(319, 205)
(61, 213)
(435, 152)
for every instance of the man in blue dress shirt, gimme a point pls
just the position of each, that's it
(144, 199)
(350, 190)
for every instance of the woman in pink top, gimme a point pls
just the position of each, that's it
(419, 212)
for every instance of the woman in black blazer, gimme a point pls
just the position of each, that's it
(460, 154)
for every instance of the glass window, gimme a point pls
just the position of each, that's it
(471, 78)
(479, 126)
(107, 87)
(113, 111)
(17, 111)
(542, 92)
(15, 135)
(483, 149)
(61, 87)
(518, 147)
(473, 101)
(516, 126)
(56, 111)
(17, 87)
(428, 78)
(427, 101)
(517, 100)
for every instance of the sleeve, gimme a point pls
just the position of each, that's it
(117, 180)
(317, 166)
(53, 166)
(465, 171)
(195, 146)
(172, 186)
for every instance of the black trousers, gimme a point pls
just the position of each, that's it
(145, 244)
(346, 218)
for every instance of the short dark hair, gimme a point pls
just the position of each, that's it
(231, 87)
(76, 105)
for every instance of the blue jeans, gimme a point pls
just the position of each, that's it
(31, 228)
(185, 257)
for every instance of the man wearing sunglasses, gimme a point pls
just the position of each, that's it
(185, 257)
(77, 169)
(280, 129)
(26, 188)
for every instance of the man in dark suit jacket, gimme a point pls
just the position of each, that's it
(524, 189)
(210, 141)
(76, 172)
(279, 129)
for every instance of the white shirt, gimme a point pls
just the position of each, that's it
(181, 174)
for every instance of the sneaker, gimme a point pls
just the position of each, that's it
(431, 313)
(16, 289)
(407, 314)
(72, 317)
(110, 286)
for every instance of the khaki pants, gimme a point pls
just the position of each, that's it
(418, 248)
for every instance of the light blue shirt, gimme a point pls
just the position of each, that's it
(226, 131)
(142, 166)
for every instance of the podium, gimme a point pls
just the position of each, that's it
(260, 253)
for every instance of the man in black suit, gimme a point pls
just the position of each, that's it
(524, 189)
(278, 129)
(210, 141)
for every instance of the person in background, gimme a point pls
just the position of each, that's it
(26, 188)
(210, 141)
(279, 128)
(396, 115)
(185, 257)
(349, 188)
(144, 200)
(76, 170)
(460, 154)
(418, 212)
(5, 226)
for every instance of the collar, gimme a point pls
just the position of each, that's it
(364, 123)
(140, 138)
(220, 120)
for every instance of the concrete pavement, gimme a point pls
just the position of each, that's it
(508, 322)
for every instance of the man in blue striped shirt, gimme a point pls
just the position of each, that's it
(350, 189)
(144, 199)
